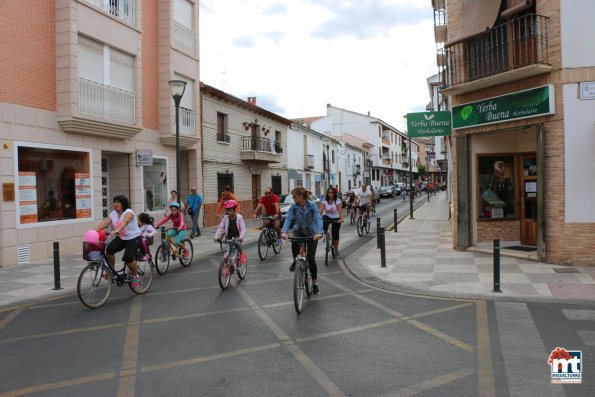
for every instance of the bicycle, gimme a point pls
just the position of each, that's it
(230, 261)
(302, 278)
(94, 285)
(328, 239)
(168, 250)
(363, 221)
(268, 237)
(352, 213)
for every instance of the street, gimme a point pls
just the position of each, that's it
(186, 337)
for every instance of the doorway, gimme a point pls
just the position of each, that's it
(255, 190)
(528, 200)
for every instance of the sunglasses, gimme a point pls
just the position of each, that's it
(267, 192)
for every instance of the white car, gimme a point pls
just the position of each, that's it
(289, 200)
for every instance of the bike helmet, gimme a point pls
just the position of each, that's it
(174, 204)
(230, 204)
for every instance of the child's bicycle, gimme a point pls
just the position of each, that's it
(95, 282)
(267, 237)
(168, 251)
(230, 263)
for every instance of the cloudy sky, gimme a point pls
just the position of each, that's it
(296, 56)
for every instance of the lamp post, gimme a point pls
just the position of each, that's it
(177, 88)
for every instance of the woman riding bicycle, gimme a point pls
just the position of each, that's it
(179, 227)
(332, 210)
(233, 225)
(308, 223)
(126, 236)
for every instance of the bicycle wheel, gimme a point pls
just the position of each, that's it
(186, 258)
(298, 288)
(327, 248)
(92, 288)
(221, 245)
(276, 247)
(367, 225)
(360, 226)
(162, 256)
(146, 273)
(263, 244)
(242, 269)
(307, 279)
(224, 274)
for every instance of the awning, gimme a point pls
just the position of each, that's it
(477, 16)
(516, 6)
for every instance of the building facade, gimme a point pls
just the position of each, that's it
(86, 114)
(523, 123)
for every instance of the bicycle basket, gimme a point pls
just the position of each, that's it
(92, 251)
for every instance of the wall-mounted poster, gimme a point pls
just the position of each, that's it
(27, 197)
(82, 185)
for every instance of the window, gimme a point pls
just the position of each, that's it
(496, 187)
(183, 27)
(53, 184)
(224, 179)
(333, 156)
(155, 185)
(222, 131)
(276, 184)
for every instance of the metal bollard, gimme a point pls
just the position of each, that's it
(56, 266)
(496, 266)
(396, 219)
(382, 247)
(377, 232)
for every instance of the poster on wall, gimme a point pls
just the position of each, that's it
(27, 197)
(82, 185)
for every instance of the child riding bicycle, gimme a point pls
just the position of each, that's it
(233, 225)
(179, 227)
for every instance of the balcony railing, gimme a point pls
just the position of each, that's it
(123, 9)
(101, 100)
(187, 121)
(512, 45)
(183, 38)
(261, 144)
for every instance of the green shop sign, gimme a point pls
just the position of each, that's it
(428, 124)
(520, 105)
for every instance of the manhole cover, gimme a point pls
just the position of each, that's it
(565, 270)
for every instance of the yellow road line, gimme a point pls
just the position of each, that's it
(65, 332)
(193, 315)
(130, 355)
(484, 352)
(59, 385)
(348, 331)
(443, 310)
(432, 383)
(441, 335)
(9, 317)
(331, 388)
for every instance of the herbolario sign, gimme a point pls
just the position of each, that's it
(519, 105)
(428, 124)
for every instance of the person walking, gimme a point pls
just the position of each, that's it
(193, 204)
(226, 195)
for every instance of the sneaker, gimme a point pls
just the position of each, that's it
(279, 241)
(336, 253)
(315, 289)
(191, 236)
(135, 282)
(197, 234)
(292, 267)
(147, 258)
(242, 259)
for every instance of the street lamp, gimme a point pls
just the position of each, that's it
(177, 88)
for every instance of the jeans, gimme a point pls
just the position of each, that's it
(195, 228)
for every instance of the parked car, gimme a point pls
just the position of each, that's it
(388, 191)
(289, 200)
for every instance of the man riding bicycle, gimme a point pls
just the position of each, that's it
(269, 205)
(365, 198)
(179, 227)
(308, 223)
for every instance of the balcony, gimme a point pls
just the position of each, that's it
(260, 151)
(183, 39)
(187, 122)
(309, 162)
(509, 52)
(101, 100)
(123, 9)
(357, 170)
(385, 141)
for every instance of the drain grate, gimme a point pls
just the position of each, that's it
(566, 270)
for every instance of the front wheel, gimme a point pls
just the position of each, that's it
(94, 285)
(276, 247)
(263, 245)
(298, 288)
(307, 279)
(162, 257)
(242, 269)
(367, 225)
(146, 274)
(360, 226)
(224, 274)
(188, 254)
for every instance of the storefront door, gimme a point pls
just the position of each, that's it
(528, 200)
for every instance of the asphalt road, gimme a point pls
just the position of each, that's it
(186, 337)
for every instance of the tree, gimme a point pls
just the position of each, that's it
(421, 169)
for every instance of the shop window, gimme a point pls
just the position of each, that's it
(155, 185)
(53, 185)
(496, 187)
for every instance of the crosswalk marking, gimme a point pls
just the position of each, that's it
(579, 315)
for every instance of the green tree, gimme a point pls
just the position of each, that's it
(421, 169)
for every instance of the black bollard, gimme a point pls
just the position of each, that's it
(496, 266)
(396, 220)
(56, 266)
(377, 232)
(381, 240)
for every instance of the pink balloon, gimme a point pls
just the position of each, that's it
(91, 236)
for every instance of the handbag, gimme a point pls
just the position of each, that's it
(190, 212)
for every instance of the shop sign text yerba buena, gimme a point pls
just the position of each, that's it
(424, 124)
(519, 105)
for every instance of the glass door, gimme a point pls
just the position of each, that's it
(528, 213)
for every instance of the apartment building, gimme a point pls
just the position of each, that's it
(244, 147)
(520, 77)
(87, 114)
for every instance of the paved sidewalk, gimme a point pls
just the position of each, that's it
(420, 259)
(30, 282)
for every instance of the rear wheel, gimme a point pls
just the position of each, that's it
(276, 247)
(298, 288)
(367, 225)
(94, 285)
(162, 257)
(186, 257)
(360, 225)
(146, 274)
(263, 244)
(224, 274)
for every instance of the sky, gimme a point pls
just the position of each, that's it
(296, 56)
